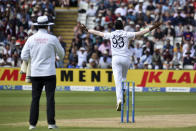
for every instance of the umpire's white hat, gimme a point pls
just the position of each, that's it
(42, 20)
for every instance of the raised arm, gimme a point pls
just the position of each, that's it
(156, 25)
(99, 33)
(95, 32)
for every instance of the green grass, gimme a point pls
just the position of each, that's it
(14, 107)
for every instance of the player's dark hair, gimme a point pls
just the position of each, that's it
(118, 25)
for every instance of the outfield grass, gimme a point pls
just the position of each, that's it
(14, 107)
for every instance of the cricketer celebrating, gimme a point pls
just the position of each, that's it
(120, 53)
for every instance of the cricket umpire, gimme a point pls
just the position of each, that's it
(42, 48)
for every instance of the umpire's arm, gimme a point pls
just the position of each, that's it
(59, 49)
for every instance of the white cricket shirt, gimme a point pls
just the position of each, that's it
(41, 48)
(82, 57)
(120, 42)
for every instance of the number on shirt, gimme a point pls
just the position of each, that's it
(118, 41)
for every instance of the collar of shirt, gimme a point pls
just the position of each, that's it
(42, 30)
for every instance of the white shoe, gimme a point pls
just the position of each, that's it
(52, 126)
(118, 106)
(31, 127)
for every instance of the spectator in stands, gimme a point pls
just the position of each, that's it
(130, 26)
(73, 55)
(167, 64)
(146, 65)
(169, 31)
(105, 60)
(95, 57)
(64, 3)
(188, 46)
(189, 19)
(31, 31)
(146, 58)
(2, 35)
(111, 5)
(63, 44)
(109, 18)
(167, 16)
(168, 46)
(13, 42)
(21, 39)
(148, 46)
(187, 35)
(7, 51)
(73, 64)
(179, 30)
(150, 7)
(157, 60)
(148, 19)
(130, 16)
(158, 34)
(16, 51)
(97, 41)
(91, 12)
(96, 50)
(177, 58)
(171, 9)
(188, 60)
(78, 42)
(84, 66)
(188, 7)
(178, 18)
(121, 10)
(101, 9)
(176, 66)
(90, 51)
(104, 46)
(82, 56)
(8, 40)
(138, 51)
(92, 64)
(76, 29)
(21, 32)
(140, 17)
(6, 61)
(24, 23)
(1, 49)
(140, 7)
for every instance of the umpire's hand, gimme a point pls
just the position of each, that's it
(156, 25)
(83, 28)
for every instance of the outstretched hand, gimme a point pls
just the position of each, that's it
(83, 27)
(156, 25)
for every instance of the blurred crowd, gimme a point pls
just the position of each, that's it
(172, 46)
(16, 25)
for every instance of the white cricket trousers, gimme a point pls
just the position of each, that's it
(120, 66)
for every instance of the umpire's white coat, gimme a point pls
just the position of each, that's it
(120, 57)
(42, 48)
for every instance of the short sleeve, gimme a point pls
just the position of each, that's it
(131, 35)
(106, 36)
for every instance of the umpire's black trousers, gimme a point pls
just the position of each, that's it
(37, 85)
